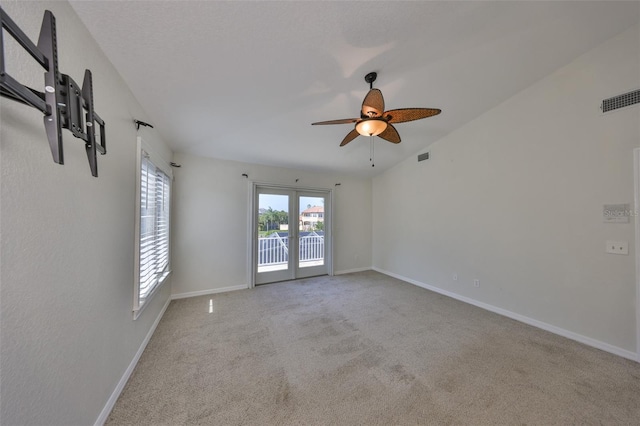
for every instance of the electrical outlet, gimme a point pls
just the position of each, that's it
(617, 247)
(476, 283)
(455, 277)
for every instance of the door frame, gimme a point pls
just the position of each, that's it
(636, 215)
(252, 234)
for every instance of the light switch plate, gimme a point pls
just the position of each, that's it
(617, 247)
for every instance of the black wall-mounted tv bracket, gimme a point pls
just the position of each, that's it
(63, 102)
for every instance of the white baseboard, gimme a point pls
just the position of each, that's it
(530, 321)
(210, 291)
(125, 377)
(350, 271)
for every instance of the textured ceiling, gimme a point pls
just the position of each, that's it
(244, 80)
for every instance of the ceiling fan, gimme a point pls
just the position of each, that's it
(375, 121)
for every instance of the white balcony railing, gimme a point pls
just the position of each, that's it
(274, 249)
(311, 247)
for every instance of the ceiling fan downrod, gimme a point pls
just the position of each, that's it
(370, 78)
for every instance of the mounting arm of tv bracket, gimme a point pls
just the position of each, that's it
(64, 103)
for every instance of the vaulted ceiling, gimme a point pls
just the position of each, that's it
(244, 80)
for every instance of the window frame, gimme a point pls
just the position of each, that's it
(144, 150)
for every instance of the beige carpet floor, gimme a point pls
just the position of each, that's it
(366, 349)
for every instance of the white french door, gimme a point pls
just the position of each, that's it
(292, 237)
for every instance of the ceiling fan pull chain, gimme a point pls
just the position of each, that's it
(372, 152)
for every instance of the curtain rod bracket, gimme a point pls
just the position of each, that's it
(141, 123)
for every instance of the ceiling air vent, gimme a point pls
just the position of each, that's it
(621, 101)
(423, 157)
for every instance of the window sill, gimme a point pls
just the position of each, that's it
(137, 312)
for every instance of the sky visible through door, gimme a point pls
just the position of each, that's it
(278, 202)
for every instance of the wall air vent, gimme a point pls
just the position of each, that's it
(423, 157)
(621, 101)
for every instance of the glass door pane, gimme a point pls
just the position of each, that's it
(274, 260)
(311, 234)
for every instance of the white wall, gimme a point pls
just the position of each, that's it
(515, 199)
(210, 225)
(67, 261)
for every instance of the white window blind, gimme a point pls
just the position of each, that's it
(153, 239)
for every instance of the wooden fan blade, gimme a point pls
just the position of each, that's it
(373, 104)
(390, 134)
(410, 114)
(342, 121)
(351, 136)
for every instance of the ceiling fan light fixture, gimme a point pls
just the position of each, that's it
(371, 126)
